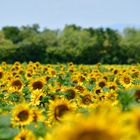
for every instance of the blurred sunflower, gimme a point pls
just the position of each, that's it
(86, 98)
(22, 114)
(136, 118)
(97, 90)
(77, 127)
(36, 95)
(80, 88)
(126, 81)
(112, 86)
(58, 108)
(28, 75)
(116, 71)
(135, 73)
(137, 92)
(1, 74)
(37, 115)
(92, 78)
(134, 124)
(16, 85)
(102, 83)
(37, 83)
(70, 91)
(25, 134)
(4, 65)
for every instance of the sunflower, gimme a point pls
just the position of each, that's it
(80, 77)
(135, 123)
(58, 108)
(17, 63)
(86, 98)
(36, 95)
(126, 81)
(37, 83)
(16, 85)
(137, 94)
(22, 114)
(25, 134)
(28, 75)
(15, 67)
(111, 95)
(3, 86)
(1, 74)
(51, 71)
(135, 73)
(112, 86)
(116, 71)
(102, 83)
(71, 68)
(97, 90)
(80, 88)
(92, 78)
(70, 91)
(37, 64)
(136, 117)
(106, 76)
(4, 64)
(77, 127)
(47, 78)
(38, 115)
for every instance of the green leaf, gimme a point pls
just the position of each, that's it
(5, 121)
(7, 133)
(38, 131)
(126, 99)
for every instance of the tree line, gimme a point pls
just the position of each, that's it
(72, 44)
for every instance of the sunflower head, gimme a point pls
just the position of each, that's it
(71, 93)
(28, 75)
(22, 115)
(37, 84)
(136, 119)
(91, 128)
(58, 108)
(101, 83)
(16, 84)
(137, 94)
(38, 115)
(86, 98)
(36, 95)
(126, 81)
(25, 134)
(112, 86)
(1, 74)
(80, 88)
(97, 90)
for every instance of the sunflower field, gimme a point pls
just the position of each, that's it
(69, 102)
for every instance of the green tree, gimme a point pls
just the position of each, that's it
(7, 49)
(131, 44)
(12, 33)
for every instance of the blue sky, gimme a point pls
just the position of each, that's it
(57, 13)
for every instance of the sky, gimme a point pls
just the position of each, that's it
(55, 14)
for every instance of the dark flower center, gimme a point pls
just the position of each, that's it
(23, 115)
(101, 84)
(60, 111)
(93, 135)
(126, 80)
(17, 84)
(1, 75)
(37, 85)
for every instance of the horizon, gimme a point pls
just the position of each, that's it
(119, 27)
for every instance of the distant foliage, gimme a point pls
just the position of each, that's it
(72, 44)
